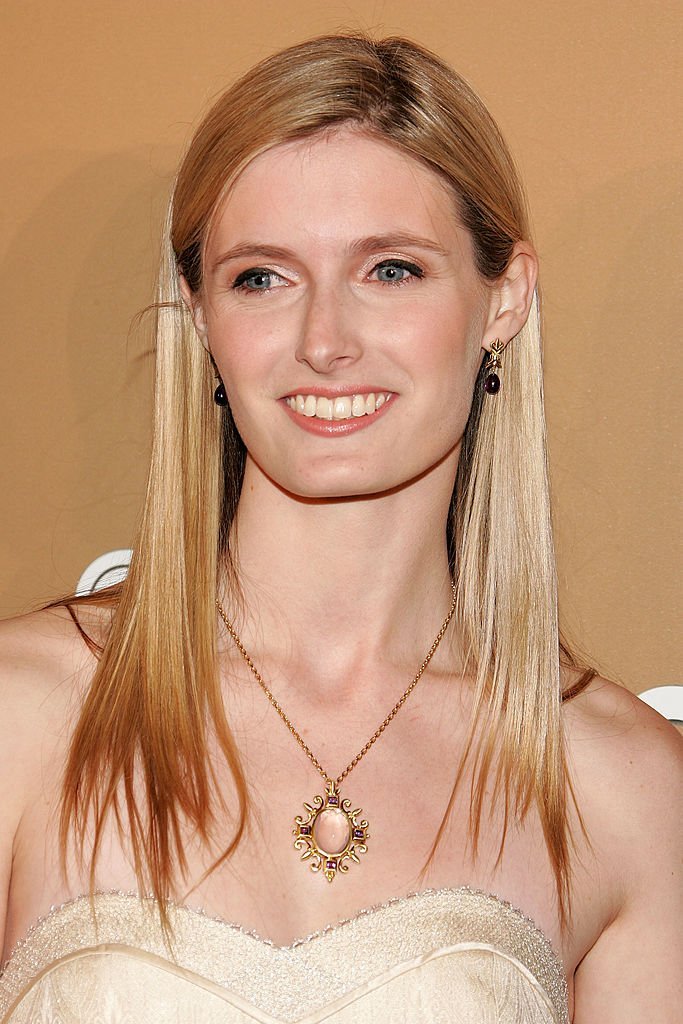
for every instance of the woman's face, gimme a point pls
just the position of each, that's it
(345, 315)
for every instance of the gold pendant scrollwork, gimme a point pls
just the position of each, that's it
(330, 835)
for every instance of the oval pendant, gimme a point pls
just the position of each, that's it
(330, 836)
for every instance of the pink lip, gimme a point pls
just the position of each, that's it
(335, 390)
(334, 428)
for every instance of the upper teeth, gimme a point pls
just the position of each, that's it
(343, 407)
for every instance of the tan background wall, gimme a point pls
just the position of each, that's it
(98, 103)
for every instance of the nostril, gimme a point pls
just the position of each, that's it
(327, 341)
(322, 360)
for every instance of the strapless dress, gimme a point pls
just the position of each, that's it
(441, 956)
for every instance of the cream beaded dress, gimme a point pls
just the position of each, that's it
(447, 956)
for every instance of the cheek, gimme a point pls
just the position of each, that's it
(247, 351)
(445, 346)
(243, 350)
(448, 357)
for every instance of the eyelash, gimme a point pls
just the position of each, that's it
(412, 268)
(240, 282)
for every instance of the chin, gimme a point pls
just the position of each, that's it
(338, 477)
(345, 482)
(346, 490)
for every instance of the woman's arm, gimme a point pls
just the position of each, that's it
(18, 727)
(41, 656)
(629, 764)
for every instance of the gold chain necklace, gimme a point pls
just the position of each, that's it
(331, 834)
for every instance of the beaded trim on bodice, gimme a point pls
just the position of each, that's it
(341, 956)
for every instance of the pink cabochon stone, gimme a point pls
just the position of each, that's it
(331, 831)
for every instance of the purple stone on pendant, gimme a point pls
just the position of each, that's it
(492, 384)
(331, 865)
(358, 833)
(305, 830)
(333, 801)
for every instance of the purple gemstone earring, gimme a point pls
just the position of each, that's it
(219, 395)
(493, 363)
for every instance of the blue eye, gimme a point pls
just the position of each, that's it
(257, 279)
(396, 271)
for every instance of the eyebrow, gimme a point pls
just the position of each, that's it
(396, 241)
(251, 249)
(361, 247)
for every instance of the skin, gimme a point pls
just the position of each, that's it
(333, 317)
(344, 570)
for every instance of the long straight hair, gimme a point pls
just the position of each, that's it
(140, 749)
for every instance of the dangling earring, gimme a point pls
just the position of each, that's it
(493, 363)
(219, 395)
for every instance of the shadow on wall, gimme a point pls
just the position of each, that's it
(613, 407)
(76, 417)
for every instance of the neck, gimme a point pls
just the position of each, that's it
(350, 581)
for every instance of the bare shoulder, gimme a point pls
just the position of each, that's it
(614, 737)
(45, 666)
(626, 765)
(42, 656)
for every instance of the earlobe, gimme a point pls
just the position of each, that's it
(196, 311)
(512, 296)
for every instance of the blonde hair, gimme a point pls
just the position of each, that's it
(155, 699)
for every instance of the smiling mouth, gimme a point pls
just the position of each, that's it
(341, 407)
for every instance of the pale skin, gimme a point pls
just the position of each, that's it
(360, 278)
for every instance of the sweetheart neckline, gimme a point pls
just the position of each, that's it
(296, 943)
(125, 913)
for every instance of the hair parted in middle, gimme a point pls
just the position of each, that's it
(156, 693)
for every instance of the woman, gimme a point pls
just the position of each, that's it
(331, 688)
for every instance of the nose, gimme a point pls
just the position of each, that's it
(330, 334)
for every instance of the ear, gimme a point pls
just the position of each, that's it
(192, 301)
(511, 296)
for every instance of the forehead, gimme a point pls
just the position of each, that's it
(335, 185)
